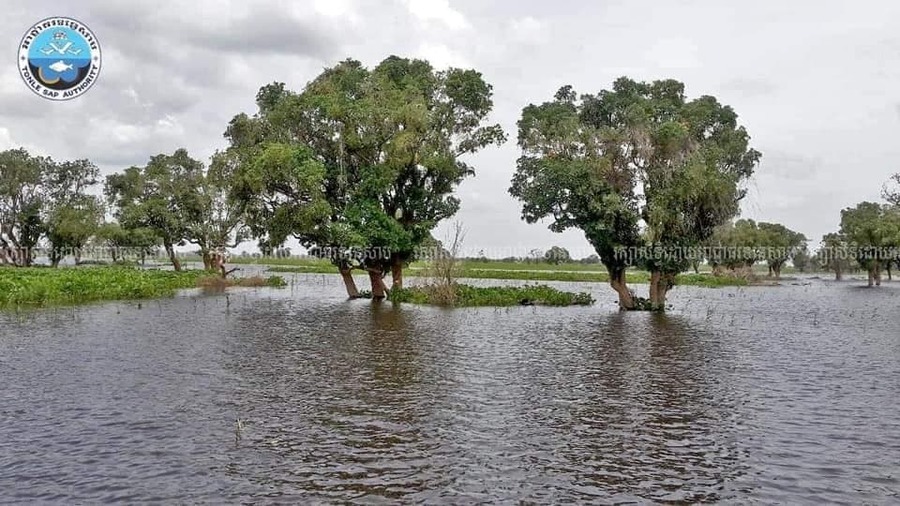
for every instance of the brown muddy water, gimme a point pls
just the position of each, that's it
(770, 395)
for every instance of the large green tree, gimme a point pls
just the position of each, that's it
(781, 244)
(22, 199)
(71, 224)
(638, 165)
(215, 220)
(41, 197)
(71, 215)
(833, 255)
(162, 196)
(377, 154)
(124, 243)
(736, 245)
(872, 231)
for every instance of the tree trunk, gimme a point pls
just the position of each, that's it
(170, 249)
(396, 273)
(890, 276)
(207, 259)
(349, 283)
(377, 281)
(871, 272)
(838, 274)
(659, 287)
(617, 282)
(777, 270)
(77, 255)
(877, 273)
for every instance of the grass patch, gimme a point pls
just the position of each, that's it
(219, 283)
(709, 281)
(469, 296)
(38, 287)
(633, 277)
(43, 286)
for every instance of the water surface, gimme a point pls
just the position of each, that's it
(785, 394)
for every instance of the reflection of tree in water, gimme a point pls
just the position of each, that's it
(657, 417)
(345, 391)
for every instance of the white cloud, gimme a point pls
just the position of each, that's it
(431, 11)
(528, 30)
(442, 56)
(336, 9)
(673, 53)
(6, 141)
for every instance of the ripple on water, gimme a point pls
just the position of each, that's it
(782, 395)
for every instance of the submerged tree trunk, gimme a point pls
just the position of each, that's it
(871, 272)
(877, 273)
(396, 273)
(660, 283)
(617, 282)
(838, 274)
(376, 279)
(349, 283)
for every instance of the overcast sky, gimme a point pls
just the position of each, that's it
(816, 83)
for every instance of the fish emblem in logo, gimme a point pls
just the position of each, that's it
(59, 58)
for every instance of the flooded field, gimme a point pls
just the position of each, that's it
(763, 394)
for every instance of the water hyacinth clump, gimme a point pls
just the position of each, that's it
(42, 286)
(461, 295)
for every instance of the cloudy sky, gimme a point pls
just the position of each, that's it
(816, 83)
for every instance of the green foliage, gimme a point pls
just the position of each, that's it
(872, 230)
(557, 255)
(368, 158)
(584, 160)
(43, 287)
(40, 196)
(71, 224)
(744, 242)
(497, 296)
(162, 196)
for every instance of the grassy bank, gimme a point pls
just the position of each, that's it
(37, 286)
(585, 276)
(470, 296)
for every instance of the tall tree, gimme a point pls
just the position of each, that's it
(639, 154)
(22, 199)
(579, 174)
(72, 216)
(71, 224)
(873, 232)
(389, 143)
(781, 244)
(161, 196)
(833, 255)
(557, 255)
(215, 220)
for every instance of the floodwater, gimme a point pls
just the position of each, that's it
(764, 394)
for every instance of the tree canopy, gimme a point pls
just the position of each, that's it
(637, 165)
(361, 162)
